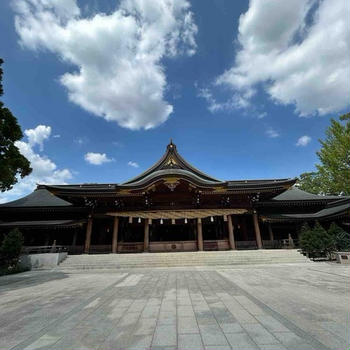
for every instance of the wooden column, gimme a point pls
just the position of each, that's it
(115, 235)
(270, 231)
(231, 237)
(199, 234)
(146, 236)
(88, 235)
(257, 230)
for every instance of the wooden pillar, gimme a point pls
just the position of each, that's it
(146, 236)
(257, 230)
(231, 237)
(270, 231)
(88, 235)
(199, 234)
(115, 235)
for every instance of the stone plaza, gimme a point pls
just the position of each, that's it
(301, 306)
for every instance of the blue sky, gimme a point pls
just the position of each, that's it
(235, 84)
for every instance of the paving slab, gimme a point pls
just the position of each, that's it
(187, 325)
(279, 307)
(190, 342)
(212, 335)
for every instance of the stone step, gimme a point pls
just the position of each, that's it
(182, 260)
(143, 256)
(140, 258)
(178, 259)
(186, 263)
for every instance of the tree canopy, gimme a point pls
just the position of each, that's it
(12, 162)
(11, 247)
(333, 172)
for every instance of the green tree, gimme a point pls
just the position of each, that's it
(305, 241)
(12, 162)
(341, 238)
(333, 172)
(310, 182)
(11, 248)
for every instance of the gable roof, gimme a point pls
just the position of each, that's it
(39, 198)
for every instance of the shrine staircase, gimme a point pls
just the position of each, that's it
(182, 259)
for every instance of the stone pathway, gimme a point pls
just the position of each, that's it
(150, 309)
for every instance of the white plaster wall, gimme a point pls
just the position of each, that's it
(42, 261)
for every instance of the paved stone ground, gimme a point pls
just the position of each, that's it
(279, 307)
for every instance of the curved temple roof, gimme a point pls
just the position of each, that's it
(39, 198)
(295, 194)
(332, 210)
(171, 163)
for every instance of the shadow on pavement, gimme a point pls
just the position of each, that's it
(29, 279)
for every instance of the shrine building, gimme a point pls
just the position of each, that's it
(172, 206)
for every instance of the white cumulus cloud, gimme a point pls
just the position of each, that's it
(297, 50)
(38, 135)
(303, 141)
(45, 171)
(118, 56)
(133, 164)
(97, 158)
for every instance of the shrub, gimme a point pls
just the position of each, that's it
(317, 242)
(12, 270)
(11, 248)
(342, 238)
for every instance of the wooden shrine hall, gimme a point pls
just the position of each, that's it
(172, 206)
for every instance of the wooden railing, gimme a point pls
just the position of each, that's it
(173, 246)
(130, 247)
(274, 244)
(210, 245)
(75, 249)
(137, 247)
(218, 244)
(100, 248)
(246, 244)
